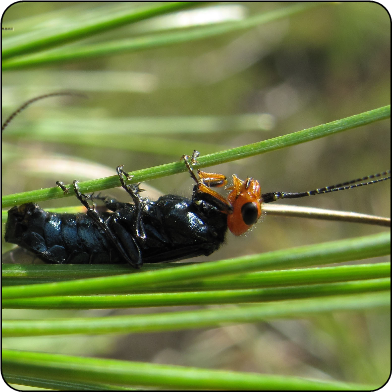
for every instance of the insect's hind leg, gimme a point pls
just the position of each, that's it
(81, 196)
(110, 203)
(132, 253)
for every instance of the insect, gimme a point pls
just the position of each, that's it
(168, 229)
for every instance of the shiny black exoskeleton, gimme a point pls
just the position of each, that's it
(168, 229)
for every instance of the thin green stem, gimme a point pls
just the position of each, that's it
(232, 154)
(169, 321)
(330, 252)
(131, 45)
(96, 26)
(95, 370)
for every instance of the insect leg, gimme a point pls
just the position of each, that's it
(134, 190)
(62, 186)
(189, 162)
(132, 252)
(204, 182)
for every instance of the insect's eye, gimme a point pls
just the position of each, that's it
(249, 212)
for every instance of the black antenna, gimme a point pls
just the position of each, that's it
(274, 196)
(30, 101)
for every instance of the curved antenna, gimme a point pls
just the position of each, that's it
(30, 101)
(274, 196)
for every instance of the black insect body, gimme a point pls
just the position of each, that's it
(168, 229)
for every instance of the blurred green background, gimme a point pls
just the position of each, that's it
(321, 65)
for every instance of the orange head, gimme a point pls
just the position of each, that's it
(245, 198)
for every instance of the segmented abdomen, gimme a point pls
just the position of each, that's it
(58, 238)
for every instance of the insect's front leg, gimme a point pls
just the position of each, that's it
(205, 182)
